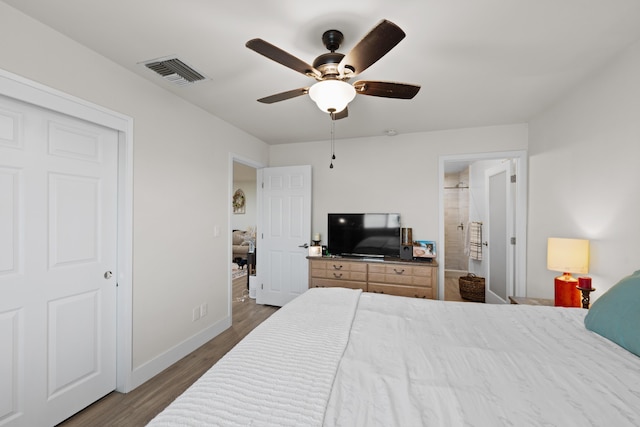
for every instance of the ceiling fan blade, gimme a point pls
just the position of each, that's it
(386, 89)
(341, 115)
(282, 96)
(280, 56)
(373, 46)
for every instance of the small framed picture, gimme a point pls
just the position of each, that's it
(424, 249)
(315, 250)
(238, 202)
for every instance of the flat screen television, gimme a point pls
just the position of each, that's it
(364, 234)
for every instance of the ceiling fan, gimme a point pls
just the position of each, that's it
(332, 70)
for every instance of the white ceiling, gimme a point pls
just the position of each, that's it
(479, 62)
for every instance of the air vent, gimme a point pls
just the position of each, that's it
(174, 70)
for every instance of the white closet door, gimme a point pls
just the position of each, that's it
(58, 219)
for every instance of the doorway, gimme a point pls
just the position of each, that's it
(242, 223)
(243, 220)
(463, 201)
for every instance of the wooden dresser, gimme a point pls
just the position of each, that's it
(405, 278)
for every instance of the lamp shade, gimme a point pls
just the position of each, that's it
(332, 95)
(568, 255)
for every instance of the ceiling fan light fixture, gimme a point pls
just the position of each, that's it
(332, 96)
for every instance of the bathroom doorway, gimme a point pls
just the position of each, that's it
(463, 203)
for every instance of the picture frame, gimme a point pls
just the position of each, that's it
(238, 202)
(315, 250)
(424, 249)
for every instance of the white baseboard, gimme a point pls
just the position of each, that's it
(145, 372)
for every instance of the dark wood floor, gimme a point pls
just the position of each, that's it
(138, 407)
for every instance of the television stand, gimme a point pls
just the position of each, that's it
(417, 279)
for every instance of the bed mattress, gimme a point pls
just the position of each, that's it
(339, 357)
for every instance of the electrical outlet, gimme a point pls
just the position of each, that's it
(196, 314)
(204, 309)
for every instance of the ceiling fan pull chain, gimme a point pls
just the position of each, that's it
(333, 141)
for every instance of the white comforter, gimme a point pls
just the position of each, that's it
(345, 358)
(279, 375)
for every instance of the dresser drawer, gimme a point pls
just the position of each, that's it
(337, 265)
(423, 271)
(400, 274)
(331, 283)
(335, 269)
(403, 291)
(424, 276)
(395, 274)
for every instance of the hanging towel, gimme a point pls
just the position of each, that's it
(475, 240)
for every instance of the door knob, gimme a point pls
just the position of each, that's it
(304, 246)
(108, 274)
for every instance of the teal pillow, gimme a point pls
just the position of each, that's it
(616, 314)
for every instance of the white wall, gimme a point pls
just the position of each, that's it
(181, 183)
(585, 176)
(390, 174)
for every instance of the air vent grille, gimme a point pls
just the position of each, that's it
(175, 71)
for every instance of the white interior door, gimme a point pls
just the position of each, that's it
(284, 231)
(58, 230)
(499, 230)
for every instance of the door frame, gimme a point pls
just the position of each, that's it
(520, 158)
(31, 92)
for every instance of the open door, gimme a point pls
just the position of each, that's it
(499, 232)
(284, 231)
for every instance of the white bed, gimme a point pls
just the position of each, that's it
(341, 357)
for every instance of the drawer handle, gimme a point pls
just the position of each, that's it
(399, 272)
(418, 296)
(337, 276)
(337, 267)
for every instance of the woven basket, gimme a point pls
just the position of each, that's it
(472, 287)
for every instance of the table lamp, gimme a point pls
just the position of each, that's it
(568, 256)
